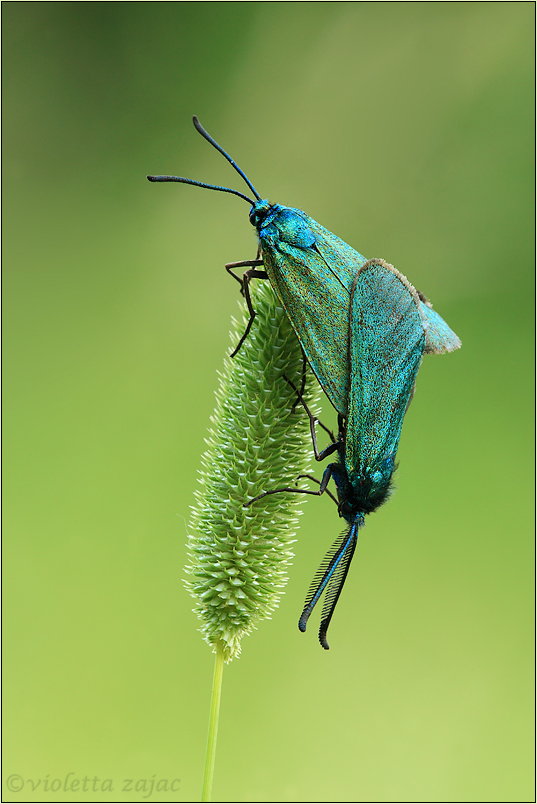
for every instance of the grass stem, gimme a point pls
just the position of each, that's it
(213, 723)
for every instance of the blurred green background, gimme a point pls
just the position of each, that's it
(406, 129)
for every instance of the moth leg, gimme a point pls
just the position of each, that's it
(300, 394)
(322, 488)
(335, 445)
(315, 480)
(245, 264)
(279, 491)
(300, 398)
(244, 282)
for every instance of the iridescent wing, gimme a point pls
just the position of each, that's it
(313, 283)
(388, 334)
(313, 272)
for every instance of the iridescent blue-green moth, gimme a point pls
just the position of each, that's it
(388, 332)
(312, 272)
(364, 329)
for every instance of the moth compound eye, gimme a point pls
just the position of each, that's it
(259, 212)
(377, 477)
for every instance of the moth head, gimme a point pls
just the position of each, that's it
(259, 212)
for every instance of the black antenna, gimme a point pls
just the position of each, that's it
(201, 184)
(208, 137)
